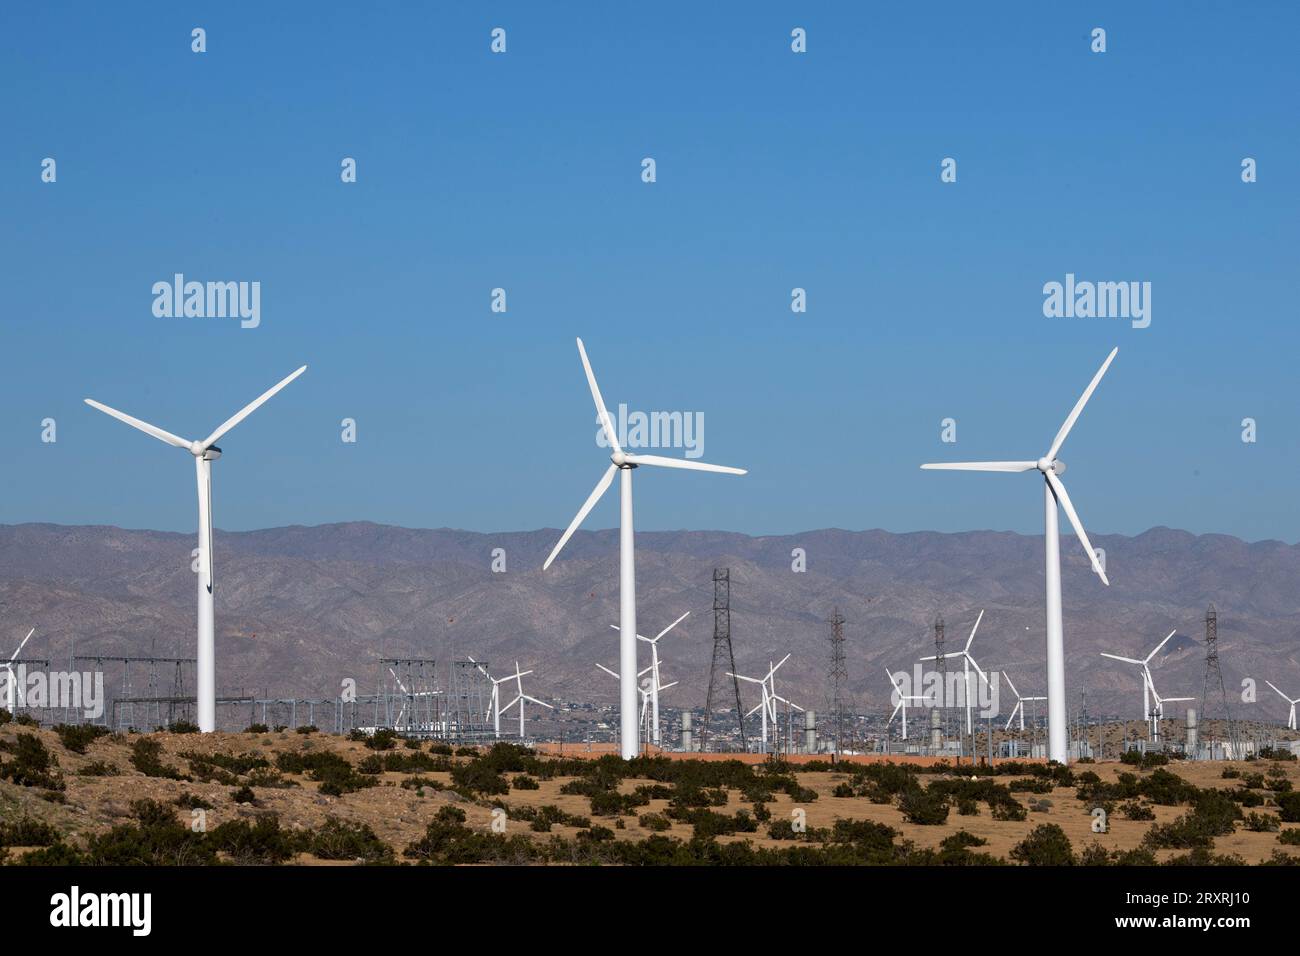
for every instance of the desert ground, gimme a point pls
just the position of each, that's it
(231, 777)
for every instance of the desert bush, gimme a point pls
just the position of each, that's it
(32, 765)
(76, 737)
(1137, 810)
(1046, 845)
(339, 840)
(922, 807)
(146, 757)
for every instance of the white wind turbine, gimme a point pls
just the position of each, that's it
(11, 684)
(494, 702)
(654, 669)
(1054, 494)
(205, 452)
(649, 686)
(767, 684)
(902, 701)
(624, 462)
(520, 697)
(967, 663)
(1290, 721)
(1148, 685)
(1020, 704)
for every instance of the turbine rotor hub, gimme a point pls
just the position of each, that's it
(1054, 465)
(619, 458)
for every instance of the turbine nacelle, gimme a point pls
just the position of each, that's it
(211, 453)
(1053, 465)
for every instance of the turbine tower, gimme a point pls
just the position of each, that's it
(623, 463)
(1054, 494)
(205, 452)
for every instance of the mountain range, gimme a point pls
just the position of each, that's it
(299, 609)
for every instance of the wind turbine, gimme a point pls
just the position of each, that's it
(11, 684)
(1148, 684)
(520, 697)
(1158, 712)
(902, 701)
(648, 686)
(1020, 704)
(1053, 494)
(654, 666)
(967, 663)
(624, 463)
(770, 696)
(205, 452)
(763, 704)
(1290, 721)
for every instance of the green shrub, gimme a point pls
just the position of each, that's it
(338, 840)
(99, 768)
(1289, 836)
(1046, 845)
(922, 807)
(76, 737)
(1137, 810)
(27, 831)
(146, 757)
(33, 765)
(658, 822)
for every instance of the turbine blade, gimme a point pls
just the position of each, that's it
(685, 463)
(1009, 466)
(536, 701)
(1070, 513)
(760, 706)
(608, 671)
(248, 409)
(970, 640)
(1078, 406)
(145, 427)
(1126, 660)
(1013, 712)
(23, 643)
(601, 487)
(896, 710)
(606, 423)
(1268, 682)
(1162, 644)
(1011, 685)
(671, 626)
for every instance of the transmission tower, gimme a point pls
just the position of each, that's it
(1214, 680)
(943, 676)
(724, 660)
(836, 678)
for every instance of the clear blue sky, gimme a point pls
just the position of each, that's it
(775, 170)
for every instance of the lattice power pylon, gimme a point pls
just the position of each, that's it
(722, 687)
(1213, 685)
(837, 677)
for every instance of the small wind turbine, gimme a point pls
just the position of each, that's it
(623, 463)
(902, 701)
(1020, 704)
(649, 685)
(205, 452)
(768, 703)
(654, 667)
(1054, 494)
(967, 663)
(11, 683)
(1290, 721)
(1147, 683)
(1158, 711)
(520, 697)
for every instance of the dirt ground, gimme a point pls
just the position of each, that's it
(399, 815)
